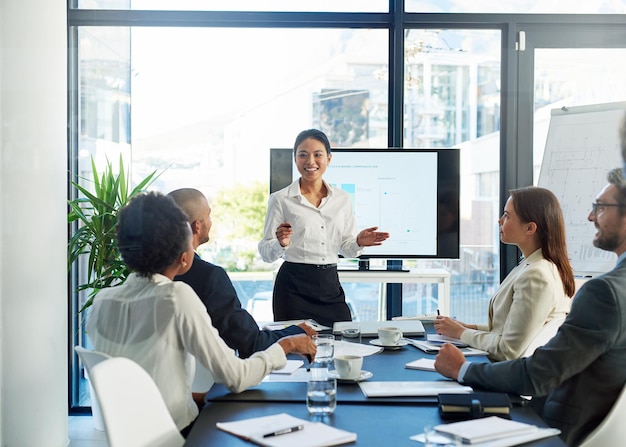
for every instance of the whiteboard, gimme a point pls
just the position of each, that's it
(581, 147)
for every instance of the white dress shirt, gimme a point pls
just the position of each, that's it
(161, 324)
(319, 234)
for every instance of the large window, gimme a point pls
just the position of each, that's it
(201, 90)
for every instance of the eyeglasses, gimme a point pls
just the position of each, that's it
(595, 206)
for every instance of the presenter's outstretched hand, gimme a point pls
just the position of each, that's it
(283, 234)
(449, 361)
(369, 237)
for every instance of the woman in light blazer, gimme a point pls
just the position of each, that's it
(533, 293)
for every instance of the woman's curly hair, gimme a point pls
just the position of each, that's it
(152, 232)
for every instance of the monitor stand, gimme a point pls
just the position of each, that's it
(393, 265)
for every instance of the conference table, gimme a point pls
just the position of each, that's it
(377, 421)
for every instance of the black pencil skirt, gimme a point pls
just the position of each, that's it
(309, 291)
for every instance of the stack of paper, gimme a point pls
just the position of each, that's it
(477, 431)
(508, 441)
(441, 339)
(423, 364)
(283, 430)
(428, 388)
(290, 367)
(347, 348)
(274, 325)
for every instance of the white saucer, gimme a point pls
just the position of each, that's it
(363, 376)
(398, 345)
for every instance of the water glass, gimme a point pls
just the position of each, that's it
(351, 333)
(325, 348)
(321, 395)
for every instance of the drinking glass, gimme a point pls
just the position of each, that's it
(321, 395)
(351, 333)
(325, 348)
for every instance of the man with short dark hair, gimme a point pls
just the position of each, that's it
(235, 325)
(582, 370)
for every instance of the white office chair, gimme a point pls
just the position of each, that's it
(135, 414)
(91, 359)
(612, 430)
(548, 331)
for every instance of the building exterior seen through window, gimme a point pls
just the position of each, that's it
(203, 105)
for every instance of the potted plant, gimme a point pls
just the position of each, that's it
(94, 215)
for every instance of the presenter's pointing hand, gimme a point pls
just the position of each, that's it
(369, 237)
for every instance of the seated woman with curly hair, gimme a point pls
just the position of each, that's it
(160, 323)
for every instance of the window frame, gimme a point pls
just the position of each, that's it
(516, 165)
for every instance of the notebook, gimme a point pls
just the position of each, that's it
(409, 328)
(413, 388)
(283, 430)
(485, 429)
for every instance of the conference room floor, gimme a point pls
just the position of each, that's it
(82, 434)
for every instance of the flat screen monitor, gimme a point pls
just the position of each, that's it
(411, 193)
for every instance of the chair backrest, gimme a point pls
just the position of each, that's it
(612, 430)
(548, 331)
(90, 358)
(135, 414)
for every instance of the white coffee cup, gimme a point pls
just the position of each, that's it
(389, 336)
(348, 366)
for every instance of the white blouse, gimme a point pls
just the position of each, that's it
(161, 324)
(319, 234)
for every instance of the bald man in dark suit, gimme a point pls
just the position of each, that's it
(211, 283)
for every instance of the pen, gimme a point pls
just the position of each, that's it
(438, 312)
(284, 431)
(310, 359)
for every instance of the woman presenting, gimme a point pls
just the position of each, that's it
(307, 224)
(534, 292)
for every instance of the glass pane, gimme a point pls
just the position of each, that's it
(579, 103)
(568, 77)
(230, 103)
(242, 5)
(206, 115)
(518, 6)
(104, 128)
(452, 99)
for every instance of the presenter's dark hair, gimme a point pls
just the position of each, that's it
(316, 135)
(541, 206)
(152, 232)
(616, 177)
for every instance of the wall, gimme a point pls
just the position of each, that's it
(33, 166)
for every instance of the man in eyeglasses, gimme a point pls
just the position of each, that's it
(582, 370)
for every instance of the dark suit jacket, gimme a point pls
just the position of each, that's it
(235, 325)
(582, 370)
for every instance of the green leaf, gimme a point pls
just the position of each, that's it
(94, 215)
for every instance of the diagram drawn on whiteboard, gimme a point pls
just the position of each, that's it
(581, 147)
